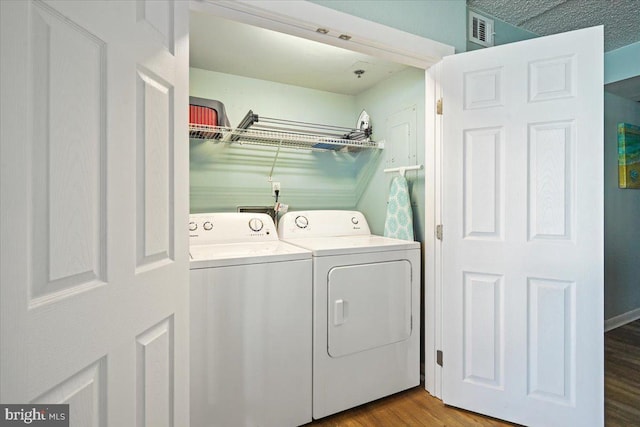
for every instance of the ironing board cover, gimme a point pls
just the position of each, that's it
(399, 221)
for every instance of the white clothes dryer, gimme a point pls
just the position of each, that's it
(250, 323)
(366, 308)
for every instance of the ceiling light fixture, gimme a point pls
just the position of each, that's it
(344, 37)
(358, 73)
(322, 31)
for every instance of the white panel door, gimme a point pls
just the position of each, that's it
(523, 231)
(94, 196)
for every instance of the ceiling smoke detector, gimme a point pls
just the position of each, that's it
(358, 73)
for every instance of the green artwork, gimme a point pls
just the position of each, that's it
(628, 156)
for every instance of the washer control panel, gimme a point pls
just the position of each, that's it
(322, 223)
(213, 228)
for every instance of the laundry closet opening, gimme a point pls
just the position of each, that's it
(277, 75)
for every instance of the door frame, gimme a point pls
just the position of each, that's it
(302, 19)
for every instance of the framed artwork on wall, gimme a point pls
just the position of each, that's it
(628, 156)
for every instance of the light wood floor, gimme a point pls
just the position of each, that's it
(416, 407)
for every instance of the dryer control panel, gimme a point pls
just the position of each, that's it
(322, 223)
(230, 227)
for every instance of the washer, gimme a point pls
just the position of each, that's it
(366, 308)
(251, 341)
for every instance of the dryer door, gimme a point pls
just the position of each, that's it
(369, 306)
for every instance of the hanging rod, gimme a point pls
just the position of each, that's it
(403, 169)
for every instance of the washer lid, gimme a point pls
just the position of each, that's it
(220, 255)
(343, 245)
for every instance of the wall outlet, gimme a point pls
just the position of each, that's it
(275, 186)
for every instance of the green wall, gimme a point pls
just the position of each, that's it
(622, 207)
(403, 92)
(225, 176)
(622, 63)
(442, 21)
(622, 210)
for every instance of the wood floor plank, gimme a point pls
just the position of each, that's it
(622, 376)
(417, 408)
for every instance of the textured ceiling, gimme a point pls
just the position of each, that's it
(621, 18)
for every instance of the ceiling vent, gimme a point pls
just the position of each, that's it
(480, 29)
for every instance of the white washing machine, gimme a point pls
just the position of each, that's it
(366, 308)
(251, 304)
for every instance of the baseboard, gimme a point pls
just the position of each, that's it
(621, 319)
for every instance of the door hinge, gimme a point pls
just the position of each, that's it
(439, 107)
(439, 357)
(439, 231)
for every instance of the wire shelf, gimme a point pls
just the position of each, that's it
(280, 138)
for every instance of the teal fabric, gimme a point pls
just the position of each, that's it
(399, 221)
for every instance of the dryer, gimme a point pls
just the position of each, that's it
(250, 323)
(366, 308)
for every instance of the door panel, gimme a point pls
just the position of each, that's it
(483, 326)
(483, 168)
(94, 266)
(550, 332)
(154, 177)
(523, 221)
(551, 180)
(67, 255)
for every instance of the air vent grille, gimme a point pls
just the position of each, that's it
(480, 29)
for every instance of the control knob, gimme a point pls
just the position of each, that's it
(302, 221)
(207, 225)
(256, 224)
(193, 226)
